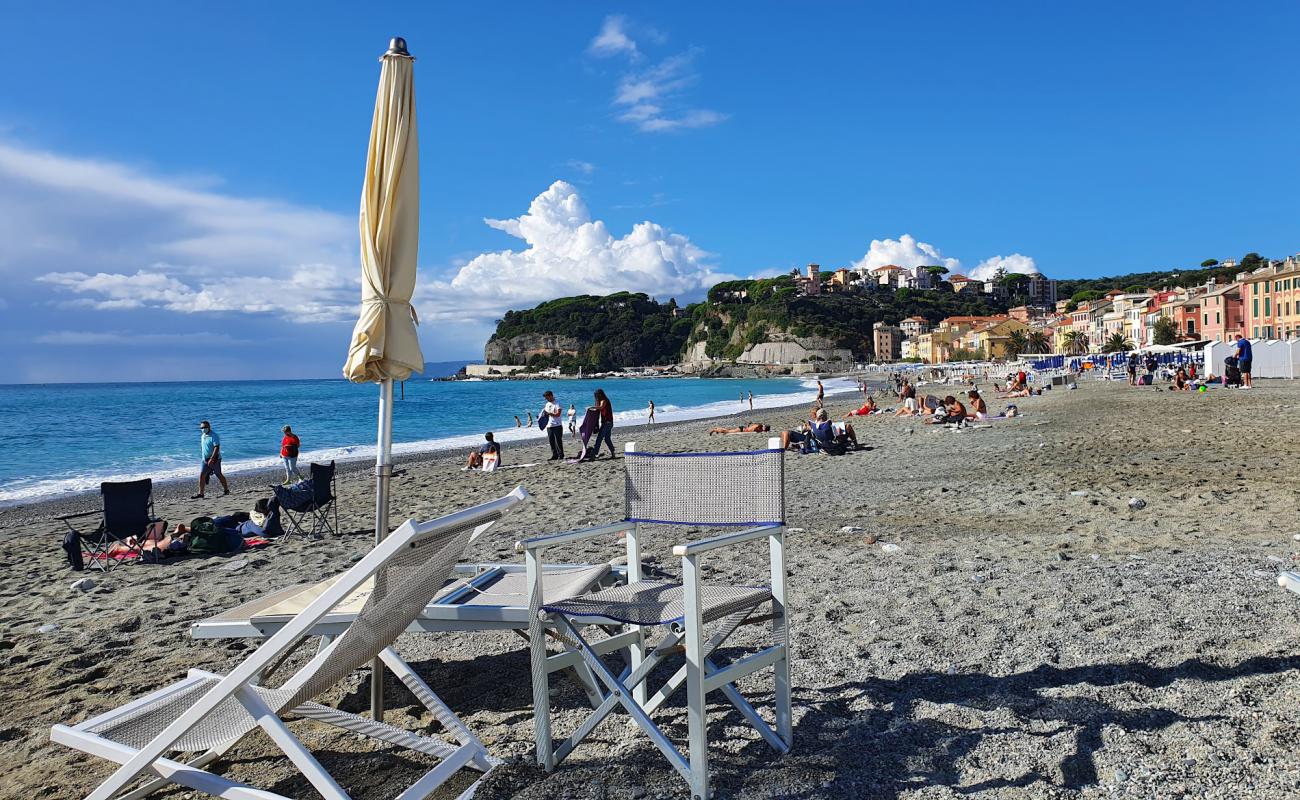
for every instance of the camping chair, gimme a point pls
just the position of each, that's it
(208, 713)
(745, 490)
(127, 512)
(315, 509)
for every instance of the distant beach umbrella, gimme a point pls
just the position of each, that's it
(385, 346)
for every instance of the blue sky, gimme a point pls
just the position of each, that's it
(179, 182)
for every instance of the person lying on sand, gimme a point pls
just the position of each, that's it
(978, 408)
(753, 427)
(868, 407)
(1180, 380)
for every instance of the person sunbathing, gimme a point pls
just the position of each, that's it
(1180, 380)
(753, 427)
(979, 409)
(1015, 391)
(868, 407)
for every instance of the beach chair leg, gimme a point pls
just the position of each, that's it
(695, 699)
(440, 710)
(780, 638)
(301, 757)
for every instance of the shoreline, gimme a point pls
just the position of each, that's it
(256, 481)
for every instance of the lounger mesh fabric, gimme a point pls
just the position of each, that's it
(707, 489)
(653, 603)
(561, 584)
(404, 585)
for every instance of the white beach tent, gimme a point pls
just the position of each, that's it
(1270, 358)
(385, 346)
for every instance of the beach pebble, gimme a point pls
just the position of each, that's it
(872, 538)
(1263, 573)
(235, 565)
(890, 547)
(1296, 537)
(84, 585)
(794, 530)
(850, 529)
(1079, 493)
(1137, 503)
(48, 627)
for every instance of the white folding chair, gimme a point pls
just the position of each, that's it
(743, 490)
(209, 713)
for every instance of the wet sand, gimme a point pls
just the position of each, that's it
(1030, 635)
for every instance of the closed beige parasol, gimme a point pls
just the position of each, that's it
(384, 343)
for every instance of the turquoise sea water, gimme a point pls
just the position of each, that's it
(58, 439)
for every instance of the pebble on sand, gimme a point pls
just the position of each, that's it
(83, 584)
(1137, 503)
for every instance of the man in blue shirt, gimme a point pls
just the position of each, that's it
(210, 450)
(1243, 360)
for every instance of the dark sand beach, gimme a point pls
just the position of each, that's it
(1027, 633)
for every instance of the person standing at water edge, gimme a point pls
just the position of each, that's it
(603, 434)
(289, 454)
(1244, 356)
(573, 419)
(652, 413)
(751, 401)
(554, 425)
(210, 450)
(821, 393)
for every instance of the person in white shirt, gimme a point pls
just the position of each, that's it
(573, 420)
(554, 425)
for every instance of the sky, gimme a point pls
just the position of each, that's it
(179, 183)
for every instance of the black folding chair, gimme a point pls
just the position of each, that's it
(311, 515)
(127, 513)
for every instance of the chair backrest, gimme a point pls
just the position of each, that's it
(403, 585)
(735, 488)
(322, 482)
(127, 506)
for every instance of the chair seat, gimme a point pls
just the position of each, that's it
(655, 603)
(151, 715)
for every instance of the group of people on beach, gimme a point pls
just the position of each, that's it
(210, 459)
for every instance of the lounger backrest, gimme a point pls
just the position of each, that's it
(706, 489)
(403, 586)
(322, 482)
(126, 506)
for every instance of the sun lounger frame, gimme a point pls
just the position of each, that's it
(241, 683)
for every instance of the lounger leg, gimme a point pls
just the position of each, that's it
(537, 652)
(440, 710)
(301, 757)
(637, 652)
(695, 700)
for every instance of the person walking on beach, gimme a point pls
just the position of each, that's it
(530, 418)
(518, 424)
(210, 450)
(751, 401)
(554, 425)
(573, 420)
(289, 446)
(1244, 357)
(821, 393)
(603, 434)
(1132, 369)
(652, 413)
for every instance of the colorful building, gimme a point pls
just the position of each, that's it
(1222, 313)
(1271, 302)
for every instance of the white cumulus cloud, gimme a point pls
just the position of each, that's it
(1012, 263)
(568, 253)
(905, 251)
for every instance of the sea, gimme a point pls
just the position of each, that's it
(60, 439)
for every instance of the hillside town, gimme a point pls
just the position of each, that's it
(1262, 303)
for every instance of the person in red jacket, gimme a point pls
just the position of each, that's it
(289, 454)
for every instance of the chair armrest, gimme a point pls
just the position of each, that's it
(75, 516)
(540, 542)
(725, 540)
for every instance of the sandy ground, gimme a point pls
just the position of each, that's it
(1030, 636)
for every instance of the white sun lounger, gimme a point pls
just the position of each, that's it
(207, 713)
(1289, 581)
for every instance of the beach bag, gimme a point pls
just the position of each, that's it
(205, 537)
(542, 420)
(72, 546)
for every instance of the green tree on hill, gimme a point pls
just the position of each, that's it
(1252, 261)
(1210, 262)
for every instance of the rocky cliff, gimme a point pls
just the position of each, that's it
(518, 349)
